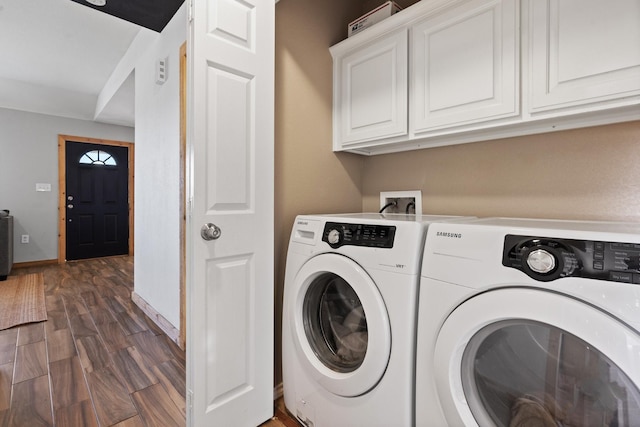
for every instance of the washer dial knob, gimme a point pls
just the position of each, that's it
(333, 237)
(541, 261)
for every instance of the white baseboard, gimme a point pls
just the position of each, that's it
(157, 318)
(278, 391)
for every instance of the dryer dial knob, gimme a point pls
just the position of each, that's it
(333, 237)
(541, 261)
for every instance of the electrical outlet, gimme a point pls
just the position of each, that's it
(25, 238)
(404, 201)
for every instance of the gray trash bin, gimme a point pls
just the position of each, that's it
(6, 244)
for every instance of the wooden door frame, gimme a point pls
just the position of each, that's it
(62, 187)
(182, 339)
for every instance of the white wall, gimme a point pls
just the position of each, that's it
(157, 174)
(29, 155)
(24, 96)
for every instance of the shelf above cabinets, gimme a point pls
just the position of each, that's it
(450, 72)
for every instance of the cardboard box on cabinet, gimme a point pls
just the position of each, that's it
(381, 12)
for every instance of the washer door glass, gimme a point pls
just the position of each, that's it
(525, 373)
(335, 323)
(341, 328)
(502, 349)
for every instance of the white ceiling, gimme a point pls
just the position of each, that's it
(57, 56)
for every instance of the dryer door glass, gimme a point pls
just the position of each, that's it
(335, 323)
(522, 373)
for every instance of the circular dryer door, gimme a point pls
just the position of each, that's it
(519, 357)
(340, 324)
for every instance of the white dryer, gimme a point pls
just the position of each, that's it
(349, 318)
(529, 322)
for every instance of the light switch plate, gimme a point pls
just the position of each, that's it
(43, 187)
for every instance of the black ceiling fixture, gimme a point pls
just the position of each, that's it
(152, 14)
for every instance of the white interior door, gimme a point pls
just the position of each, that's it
(230, 156)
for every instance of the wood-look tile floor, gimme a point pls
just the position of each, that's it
(97, 361)
(281, 417)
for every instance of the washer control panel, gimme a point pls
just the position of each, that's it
(547, 259)
(338, 234)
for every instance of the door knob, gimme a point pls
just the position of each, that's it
(210, 231)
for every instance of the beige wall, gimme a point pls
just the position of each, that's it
(310, 178)
(590, 173)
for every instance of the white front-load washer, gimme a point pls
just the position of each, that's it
(349, 318)
(529, 323)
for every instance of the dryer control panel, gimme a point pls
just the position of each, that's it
(338, 234)
(547, 259)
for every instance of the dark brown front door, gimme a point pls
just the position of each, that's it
(96, 200)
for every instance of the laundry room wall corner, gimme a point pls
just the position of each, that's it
(310, 178)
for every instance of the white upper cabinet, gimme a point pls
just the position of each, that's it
(445, 72)
(464, 65)
(370, 85)
(584, 53)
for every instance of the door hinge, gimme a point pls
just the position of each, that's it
(190, 10)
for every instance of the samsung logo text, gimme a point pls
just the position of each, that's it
(447, 234)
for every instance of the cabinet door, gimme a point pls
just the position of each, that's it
(583, 52)
(465, 65)
(370, 98)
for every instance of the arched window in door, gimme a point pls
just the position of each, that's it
(98, 157)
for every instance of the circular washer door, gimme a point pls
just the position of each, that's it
(515, 356)
(340, 324)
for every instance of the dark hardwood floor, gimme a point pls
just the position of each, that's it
(97, 361)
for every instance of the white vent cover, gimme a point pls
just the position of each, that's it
(161, 70)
